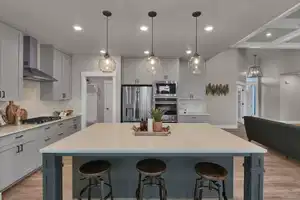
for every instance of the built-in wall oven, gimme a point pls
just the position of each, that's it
(165, 88)
(169, 106)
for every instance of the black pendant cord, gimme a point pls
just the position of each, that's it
(196, 35)
(106, 35)
(254, 60)
(152, 48)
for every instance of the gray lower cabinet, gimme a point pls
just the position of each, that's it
(19, 152)
(193, 118)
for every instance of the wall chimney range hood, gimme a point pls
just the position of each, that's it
(30, 70)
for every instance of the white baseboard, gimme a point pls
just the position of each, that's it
(228, 126)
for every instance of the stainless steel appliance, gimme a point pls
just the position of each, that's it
(165, 88)
(30, 71)
(169, 106)
(40, 120)
(136, 102)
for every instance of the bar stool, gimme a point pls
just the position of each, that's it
(150, 173)
(212, 173)
(94, 172)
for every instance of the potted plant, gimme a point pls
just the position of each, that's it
(157, 117)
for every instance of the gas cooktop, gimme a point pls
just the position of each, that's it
(40, 120)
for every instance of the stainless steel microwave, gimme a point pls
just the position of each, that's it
(165, 88)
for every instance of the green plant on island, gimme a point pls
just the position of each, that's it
(157, 114)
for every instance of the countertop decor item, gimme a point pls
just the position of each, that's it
(157, 115)
(106, 62)
(152, 61)
(10, 112)
(255, 70)
(217, 89)
(196, 61)
(165, 131)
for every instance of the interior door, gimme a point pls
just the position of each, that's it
(108, 98)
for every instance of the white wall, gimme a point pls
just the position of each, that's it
(83, 63)
(32, 103)
(223, 69)
(290, 98)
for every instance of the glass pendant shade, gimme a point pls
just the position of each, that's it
(195, 64)
(107, 64)
(152, 64)
(254, 71)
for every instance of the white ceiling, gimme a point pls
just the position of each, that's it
(285, 30)
(51, 22)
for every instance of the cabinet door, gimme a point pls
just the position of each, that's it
(8, 166)
(142, 74)
(129, 72)
(57, 73)
(11, 75)
(66, 82)
(28, 158)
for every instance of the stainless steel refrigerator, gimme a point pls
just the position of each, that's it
(136, 102)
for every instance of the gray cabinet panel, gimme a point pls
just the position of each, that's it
(11, 58)
(8, 166)
(58, 65)
(193, 119)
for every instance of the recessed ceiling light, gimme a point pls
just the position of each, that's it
(188, 52)
(103, 51)
(268, 34)
(146, 52)
(144, 28)
(209, 28)
(77, 28)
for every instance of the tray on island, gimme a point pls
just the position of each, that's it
(137, 132)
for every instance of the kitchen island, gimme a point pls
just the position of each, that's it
(187, 145)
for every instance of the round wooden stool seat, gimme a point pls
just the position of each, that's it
(151, 167)
(94, 168)
(211, 171)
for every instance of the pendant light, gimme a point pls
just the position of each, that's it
(196, 61)
(106, 62)
(152, 62)
(255, 70)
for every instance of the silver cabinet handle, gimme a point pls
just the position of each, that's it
(46, 140)
(47, 128)
(18, 137)
(60, 134)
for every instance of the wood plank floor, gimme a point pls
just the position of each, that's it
(282, 179)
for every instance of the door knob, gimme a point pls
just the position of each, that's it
(107, 108)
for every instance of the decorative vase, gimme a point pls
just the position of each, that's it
(150, 125)
(157, 126)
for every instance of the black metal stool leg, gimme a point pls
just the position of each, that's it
(161, 189)
(138, 188)
(141, 190)
(90, 189)
(219, 191)
(224, 190)
(201, 189)
(111, 190)
(196, 189)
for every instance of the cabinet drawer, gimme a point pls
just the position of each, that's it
(7, 141)
(193, 119)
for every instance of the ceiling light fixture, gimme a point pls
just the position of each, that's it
(103, 51)
(268, 34)
(153, 62)
(106, 62)
(77, 28)
(209, 28)
(255, 70)
(196, 61)
(188, 52)
(146, 52)
(144, 28)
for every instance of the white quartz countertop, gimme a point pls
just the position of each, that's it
(12, 129)
(185, 138)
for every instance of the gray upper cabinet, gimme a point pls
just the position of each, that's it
(11, 63)
(58, 65)
(134, 71)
